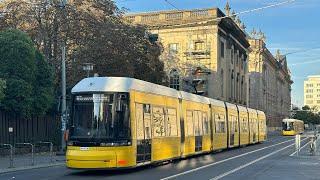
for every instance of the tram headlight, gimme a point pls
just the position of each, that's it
(103, 144)
(70, 143)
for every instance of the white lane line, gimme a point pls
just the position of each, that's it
(300, 148)
(250, 163)
(219, 162)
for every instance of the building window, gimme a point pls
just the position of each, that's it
(222, 49)
(232, 55)
(199, 45)
(232, 85)
(173, 48)
(237, 58)
(174, 79)
(309, 91)
(310, 96)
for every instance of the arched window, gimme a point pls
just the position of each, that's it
(174, 79)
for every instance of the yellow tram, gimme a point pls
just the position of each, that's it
(291, 127)
(120, 122)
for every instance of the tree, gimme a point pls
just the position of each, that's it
(43, 85)
(94, 32)
(19, 69)
(307, 115)
(2, 88)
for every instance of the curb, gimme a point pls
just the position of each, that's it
(3, 171)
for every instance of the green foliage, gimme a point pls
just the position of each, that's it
(43, 86)
(94, 32)
(26, 73)
(2, 88)
(308, 115)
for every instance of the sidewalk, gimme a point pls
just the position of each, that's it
(24, 162)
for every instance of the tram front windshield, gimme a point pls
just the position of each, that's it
(101, 119)
(287, 126)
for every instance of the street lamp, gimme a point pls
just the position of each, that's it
(88, 67)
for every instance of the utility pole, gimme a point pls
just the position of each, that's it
(63, 87)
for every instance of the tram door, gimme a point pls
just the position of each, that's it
(143, 121)
(198, 127)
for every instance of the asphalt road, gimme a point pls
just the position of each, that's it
(251, 162)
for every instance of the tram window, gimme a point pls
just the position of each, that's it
(231, 124)
(172, 129)
(190, 129)
(200, 123)
(235, 124)
(146, 108)
(158, 121)
(220, 123)
(196, 123)
(245, 125)
(205, 123)
(147, 121)
(139, 121)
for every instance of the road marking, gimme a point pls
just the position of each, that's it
(250, 163)
(300, 148)
(219, 162)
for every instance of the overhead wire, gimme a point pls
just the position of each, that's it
(302, 51)
(171, 4)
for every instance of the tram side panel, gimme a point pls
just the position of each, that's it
(189, 138)
(206, 130)
(262, 126)
(157, 129)
(253, 131)
(219, 127)
(197, 137)
(244, 125)
(233, 125)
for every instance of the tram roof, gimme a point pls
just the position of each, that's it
(217, 103)
(260, 112)
(193, 97)
(231, 106)
(252, 110)
(291, 120)
(121, 84)
(241, 108)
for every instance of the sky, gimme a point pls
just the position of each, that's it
(291, 27)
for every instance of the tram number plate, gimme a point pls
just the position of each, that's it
(84, 148)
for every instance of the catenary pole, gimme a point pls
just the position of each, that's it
(63, 87)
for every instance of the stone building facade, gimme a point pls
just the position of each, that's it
(312, 92)
(203, 52)
(269, 82)
(208, 52)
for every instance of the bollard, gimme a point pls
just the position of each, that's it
(298, 143)
(32, 151)
(51, 149)
(11, 153)
(313, 146)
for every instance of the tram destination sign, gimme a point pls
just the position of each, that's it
(92, 98)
